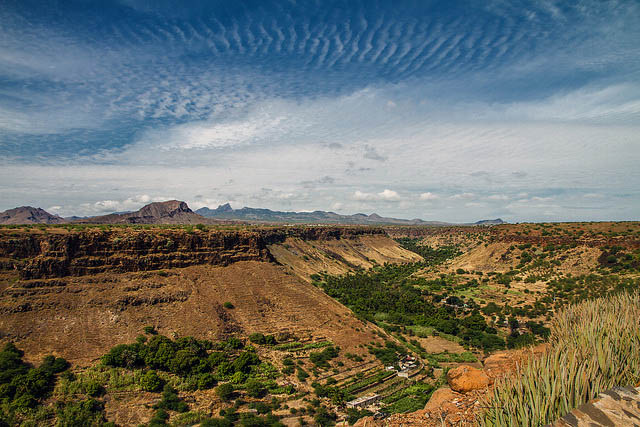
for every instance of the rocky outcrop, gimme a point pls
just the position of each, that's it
(464, 379)
(62, 253)
(619, 406)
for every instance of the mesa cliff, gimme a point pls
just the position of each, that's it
(68, 252)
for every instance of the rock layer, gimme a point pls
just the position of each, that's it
(61, 253)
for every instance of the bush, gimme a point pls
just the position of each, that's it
(258, 338)
(245, 361)
(22, 386)
(255, 388)
(287, 361)
(150, 381)
(150, 330)
(123, 356)
(159, 418)
(80, 414)
(206, 381)
(225, 391)
(171, 401)
(228, 305)
(94, 389)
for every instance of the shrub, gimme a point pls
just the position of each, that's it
(171, 401)
(225, 391)
(123, 356)
(255, 388)
(228, 305)
(150, 330)
(79, 414)
(287, 361)
(245, 361)
(94, 389)
(257, 338)
(150, 381)
(206, 381)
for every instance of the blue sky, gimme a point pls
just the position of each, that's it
(442, 110)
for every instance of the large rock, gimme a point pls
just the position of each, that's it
(467, 378)
(504, 362)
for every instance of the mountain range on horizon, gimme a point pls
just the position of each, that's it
(178, 212)
(247, 214)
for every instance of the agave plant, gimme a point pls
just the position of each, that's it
(593, 346)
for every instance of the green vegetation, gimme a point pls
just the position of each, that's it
(593, 347)
(24, 390)
(431, 256)
(391, 289)
(321, 359)
(409, 399)
(23, 387)
(262, 339)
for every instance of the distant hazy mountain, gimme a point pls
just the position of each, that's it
(170, 212)
(497, 221)
(316, 217)
(29, 215)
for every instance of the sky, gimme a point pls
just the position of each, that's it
(441, 110)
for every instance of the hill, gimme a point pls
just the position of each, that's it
(29, 215)
(169, 212)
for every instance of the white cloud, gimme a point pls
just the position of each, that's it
(386, 194)
(498, 197)
(389, 195)
(359, 195)
(429, 196)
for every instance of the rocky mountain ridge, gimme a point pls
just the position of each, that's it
(178, 212)
(169, 212)
(261, 215)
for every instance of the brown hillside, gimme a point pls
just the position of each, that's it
(29, 215)
(78, 293)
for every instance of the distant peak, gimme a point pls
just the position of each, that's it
(224, 208)
(168, 208)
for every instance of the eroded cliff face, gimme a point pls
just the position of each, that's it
(37, 254)
(77, 293)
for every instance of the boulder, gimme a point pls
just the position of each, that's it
(467, 378)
